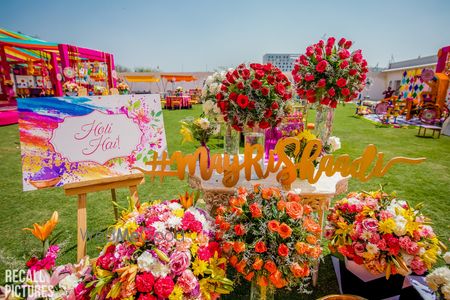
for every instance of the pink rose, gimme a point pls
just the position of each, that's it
(163, 287)
(412, 248)
(342, 42)
(187, 281)
(359, 248)
(368, 224)
(309, 51)
(328, 50)
(321, 66)
(418, 266)
(179, 261)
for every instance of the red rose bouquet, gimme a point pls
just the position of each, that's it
(253, 96)
(270, 239)
(382, 233)
(328, 73)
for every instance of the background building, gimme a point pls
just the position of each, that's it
(283, 61)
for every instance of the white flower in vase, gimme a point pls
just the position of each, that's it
(335, 143)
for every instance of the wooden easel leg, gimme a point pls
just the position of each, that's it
(82, 227)
(114, 200)
(134, 195)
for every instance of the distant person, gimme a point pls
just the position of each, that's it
(388, 93)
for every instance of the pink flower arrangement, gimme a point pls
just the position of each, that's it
(382, 233)
(170, 253)
(328, 72)
(253, 95)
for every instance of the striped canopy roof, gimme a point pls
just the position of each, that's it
(20, 47)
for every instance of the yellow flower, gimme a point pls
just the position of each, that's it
(387, 226)
(307, 135)
(177, 293)
(178, 212)
(186, 134)
(42, 232)
(344, 228)
(194, 249)
(199, 266)
(187, 200)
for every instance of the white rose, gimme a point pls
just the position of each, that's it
(447, 258)
(204, 123)
(209, 80)
(446, 290)
(400, 225)
(213, 88)
(216, 109)
(146, 261)
(335, 143)
(208, 106)
(68, 283)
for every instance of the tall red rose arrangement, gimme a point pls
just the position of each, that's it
(328, 72)
(254, 95)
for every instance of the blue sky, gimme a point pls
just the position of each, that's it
(196, 35)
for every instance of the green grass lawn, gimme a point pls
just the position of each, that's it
(428, 182)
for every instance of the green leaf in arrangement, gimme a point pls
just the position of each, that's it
(158, 113)
(137, 104)
(139, 156)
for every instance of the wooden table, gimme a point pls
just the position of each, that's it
(431, 127)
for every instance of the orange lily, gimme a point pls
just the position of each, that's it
(42, 232)
(187, 200)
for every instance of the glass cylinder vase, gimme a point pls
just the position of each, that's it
(258, 292)
(231, 141)
(255, 137)
(324, 122)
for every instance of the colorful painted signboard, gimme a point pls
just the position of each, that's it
(72, 139)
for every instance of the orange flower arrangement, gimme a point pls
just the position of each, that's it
(270, 238)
